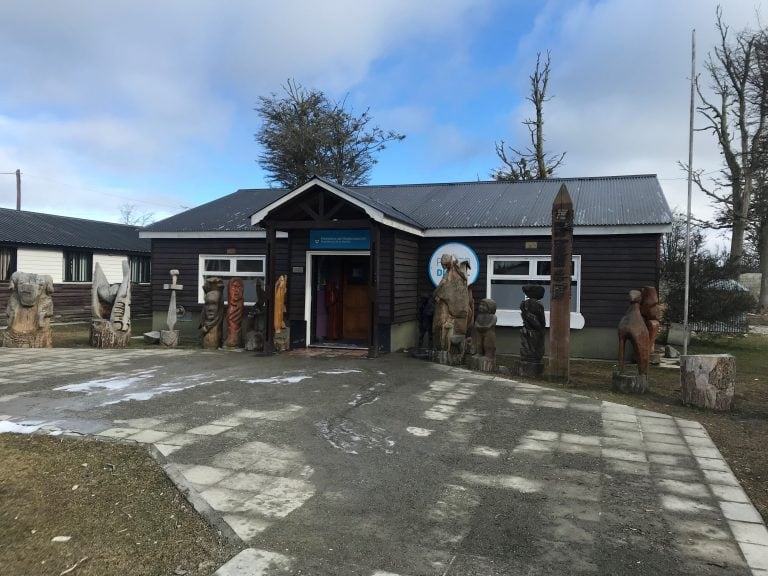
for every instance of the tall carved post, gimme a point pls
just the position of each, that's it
(560, 305)
(235, 308)
(281, 334)
(111, 323)
(170, 337)
(269, 290)
(212, 316)
(29, 310)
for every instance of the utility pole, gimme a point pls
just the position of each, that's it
(18, 189)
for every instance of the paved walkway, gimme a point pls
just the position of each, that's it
(399, 467)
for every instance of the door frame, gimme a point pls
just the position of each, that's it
(308, 292)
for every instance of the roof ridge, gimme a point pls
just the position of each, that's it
(46, 214)
(485, 182)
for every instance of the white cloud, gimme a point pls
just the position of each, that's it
(108, 91)
(620, 80)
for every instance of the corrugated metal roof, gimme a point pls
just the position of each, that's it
(602, 201)
(20, 227)
(231, 213)
(598, 201)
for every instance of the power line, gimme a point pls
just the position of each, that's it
(110, 194)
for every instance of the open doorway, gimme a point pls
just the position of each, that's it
(339, 310)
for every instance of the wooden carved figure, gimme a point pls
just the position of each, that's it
(453, 308)
(426, 314)
(235, 307)
(280, 289)
(280, 339)
(213, 312)
(29, 310)
(484, 337)
(533, 332)
(649, 308)
(111, 306)
(632, 326)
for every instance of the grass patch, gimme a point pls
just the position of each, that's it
(114, 502)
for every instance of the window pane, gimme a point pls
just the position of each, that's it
(215, 265)
(140, 269)
(543, 268)
(7, 262)
(78, 267)
(511, 267)
(508, 293)
(250, 265)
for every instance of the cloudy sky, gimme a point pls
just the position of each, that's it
(151, 103)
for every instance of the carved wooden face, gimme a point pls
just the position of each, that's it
(28, 287)
(235, 290)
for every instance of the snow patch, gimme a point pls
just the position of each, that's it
(339, 371)
(8, 426)
(277, 380)
(118, 383)
(423, 432)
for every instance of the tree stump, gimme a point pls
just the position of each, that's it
(708, 380)
(629, 382)
(103, 335)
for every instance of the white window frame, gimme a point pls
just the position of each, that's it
(513, 317)
(233, 258)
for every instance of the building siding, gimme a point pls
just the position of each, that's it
(406, 276)
(610, 267)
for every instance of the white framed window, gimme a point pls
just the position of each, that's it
(7, 263)
(508, 274)
(78, 266)
(249, 268)
(141, 267)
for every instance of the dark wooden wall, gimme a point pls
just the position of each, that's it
(183, 254)
(298, 245)
(386, 275)
(72, 302)
(406, 276)
(610, 267)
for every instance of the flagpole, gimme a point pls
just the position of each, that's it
(690, 187)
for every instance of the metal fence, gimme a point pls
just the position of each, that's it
(735, 325)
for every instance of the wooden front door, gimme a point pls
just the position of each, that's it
(355, 298)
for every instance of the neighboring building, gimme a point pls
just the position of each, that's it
(68, 249)
(376, 250)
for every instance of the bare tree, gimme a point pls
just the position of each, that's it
(533, 162)
(130, 214)
(736, 115)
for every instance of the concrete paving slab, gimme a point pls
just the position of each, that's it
(400, 467)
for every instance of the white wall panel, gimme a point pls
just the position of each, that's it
(41, 262)
(112, 266)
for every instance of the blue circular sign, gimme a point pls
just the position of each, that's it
(462, 252)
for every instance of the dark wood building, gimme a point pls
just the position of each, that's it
(358, 259)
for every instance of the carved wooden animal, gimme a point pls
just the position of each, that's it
(649, 308)
(632, 326)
